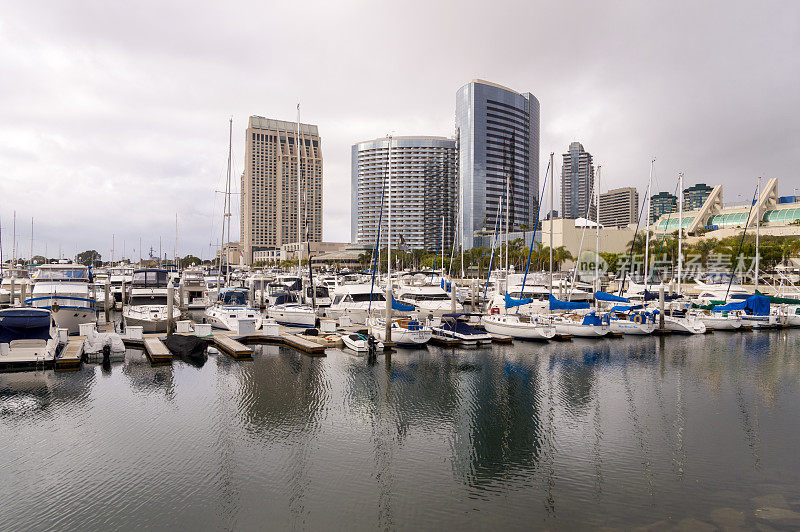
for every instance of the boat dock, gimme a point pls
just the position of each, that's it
(156, 351)
(233, 348)
(71, 355)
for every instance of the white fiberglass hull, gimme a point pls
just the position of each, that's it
(761, 322)
(151, 318)
(401, 336)
(465, 339)
(631, 327)
(227, 317)
(510, 325)
(722, 323)
(582, 331)
(293, 315)
(356, 342)
(684, 325)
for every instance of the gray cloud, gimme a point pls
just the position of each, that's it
(113, 117)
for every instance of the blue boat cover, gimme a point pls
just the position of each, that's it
(401, 307)
(591, 319)
(557, 304)
(755, 305)
(605, 296)
(24, 323)
(445, 286)
(625, 308)
(460, 327)
(511, 302)
(651, 296)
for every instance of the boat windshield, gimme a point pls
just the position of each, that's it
(148, 300)
(156, 278)
(193, 276)
(63, 274)
(15, 274)
(233, 297)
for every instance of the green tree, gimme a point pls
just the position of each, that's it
(89, 257)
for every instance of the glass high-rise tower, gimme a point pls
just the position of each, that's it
(498, 136)
(577, 184)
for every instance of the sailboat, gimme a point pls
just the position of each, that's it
(231, 306)
(401, 331)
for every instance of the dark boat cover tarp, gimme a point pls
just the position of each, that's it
(24, 324)
(557, 304)
(187, 347)
(755, 305)
(652, 296)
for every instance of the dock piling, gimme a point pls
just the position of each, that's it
(170, 304)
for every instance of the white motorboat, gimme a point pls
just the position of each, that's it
(356, 342)
(586, 326)
(64, 289)
(293, 314)
(17, 277)
(720, 289)
(452, 328)
(230, 308)
(119, 276)
(519, 326)
(28, 338)
(194, 288)
(429, 299)
(406, 332)
(355, 301)
(147, 303)
(321, 295)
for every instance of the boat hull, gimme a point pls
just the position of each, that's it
(510, 326)
(633, 328)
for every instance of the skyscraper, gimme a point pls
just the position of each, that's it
(424, 191)
(498, 136)
(269, 216)
(619, 207)
(662, 203)
(577, 183)
(695, 196)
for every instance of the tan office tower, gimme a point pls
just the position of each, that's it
(269, 185)
(619, 207)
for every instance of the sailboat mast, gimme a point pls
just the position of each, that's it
(508, 211)
(680, 230)
(14, 240)
(647, 227)
(228, 202)
(758, 228)
(31, 239)
(389, 219)
(550, 288)
(597, 231)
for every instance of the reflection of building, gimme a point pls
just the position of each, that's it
(424, 191)
(662, 203)
(577, 183)
(269, 185)
(776, 217)
(498, 134)
(695, 196)
(619, 207)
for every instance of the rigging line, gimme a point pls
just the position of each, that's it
(633, 244)
(741, 242)
(535, 225)
(664, 236)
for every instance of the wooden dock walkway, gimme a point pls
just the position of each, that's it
(156, 351)
(233, 348)
(71, 355)
(501, 338)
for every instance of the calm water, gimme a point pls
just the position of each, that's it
(618, 432)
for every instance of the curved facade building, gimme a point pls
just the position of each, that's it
(423, 190)
(498, 134)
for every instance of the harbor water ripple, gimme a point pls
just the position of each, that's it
(666, 431)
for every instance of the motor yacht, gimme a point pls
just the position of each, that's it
(231, 307)
(429, 299)
(64, 289)
(451, 327)
(17, 277)
(28, 338)
(355, 301)
(288, 311)
(147, 303)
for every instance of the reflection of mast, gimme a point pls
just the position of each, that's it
(638, 432)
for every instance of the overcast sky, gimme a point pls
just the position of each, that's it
(114, 116)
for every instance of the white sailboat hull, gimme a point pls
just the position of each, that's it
(686, 325)
(631, 327)
(510, 325)
(583, 331)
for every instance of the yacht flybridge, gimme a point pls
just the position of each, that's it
(231, 307)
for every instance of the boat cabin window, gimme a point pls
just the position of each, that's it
(148, 300)
(63, 274)
(337, 300)
(150, 278)
(233, 297)
(321, 291)
(359, 298)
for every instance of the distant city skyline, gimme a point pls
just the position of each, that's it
(123, 119)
